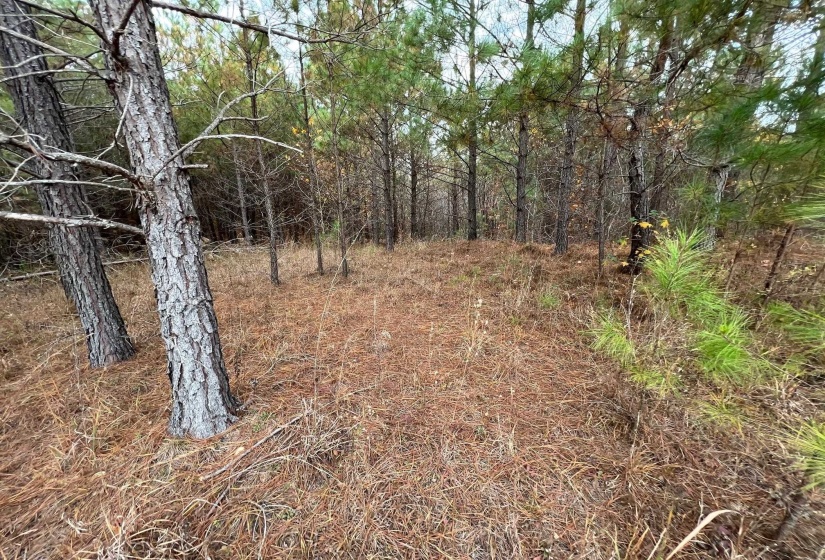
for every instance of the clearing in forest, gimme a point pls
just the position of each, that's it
(441, 402)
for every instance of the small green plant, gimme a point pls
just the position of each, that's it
(611, 338)
(653, 379)
(549, 299)
(802, 327)
(810, 444)
(723, 411)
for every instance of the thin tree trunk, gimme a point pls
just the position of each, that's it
(202, 405)
(608, 157)
(314, 199)
(454, 216)
(639, 208)
(247, 231)
(521, 178)
(375, 226)
(787, 238)
(386, 176)
(76, 250)
(339, 182)
(472, 148)
(269, 202)
(719, 174)
(571, 131)
(414, 234)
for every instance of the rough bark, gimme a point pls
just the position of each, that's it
(202, 405)
(76, 250)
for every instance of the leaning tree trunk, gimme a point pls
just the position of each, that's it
(75, 249)
(202, 405)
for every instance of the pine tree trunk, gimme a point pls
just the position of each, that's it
(202, 405)
(386, 177)
(571, 131)
(76, 250)
(454, 214)
(521, 178)
(608, 157)
(566, 184)
(639, 209)
(413, 196)
(472, 148)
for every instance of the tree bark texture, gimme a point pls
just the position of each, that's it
(76, 250)
(202, 405)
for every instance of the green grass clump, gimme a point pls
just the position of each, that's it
(610, 338)
(804, 328)
(810, 444)
(549, 299)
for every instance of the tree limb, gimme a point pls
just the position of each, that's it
(243, 24)
(70, 222)
(69, 157)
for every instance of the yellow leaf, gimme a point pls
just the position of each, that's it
(647, 251)
(664, 223)
(645, 225)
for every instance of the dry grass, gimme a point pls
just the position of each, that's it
(433, 405)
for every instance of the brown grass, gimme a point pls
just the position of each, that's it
(429, 406)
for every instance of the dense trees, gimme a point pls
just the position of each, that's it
(550, 122)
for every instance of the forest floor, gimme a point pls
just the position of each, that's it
(441, 402)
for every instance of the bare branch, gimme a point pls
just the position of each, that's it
(78, 59)
(220, 117)
(245, 24)
(69, 157)
(190, 146)
(68, 16)
(93, 221)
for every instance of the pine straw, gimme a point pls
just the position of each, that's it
(426, 407)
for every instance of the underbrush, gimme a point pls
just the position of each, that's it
(751, 375)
